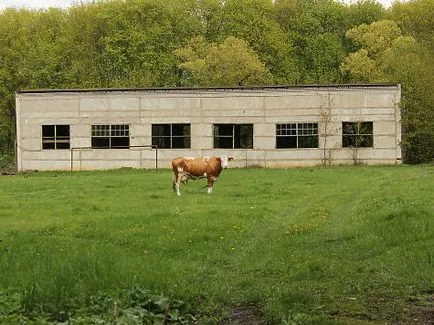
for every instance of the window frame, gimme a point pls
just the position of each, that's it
(58, 139)
(298, 134)
(175, 135)
(235, 133)
(359, 138)
(111, 134)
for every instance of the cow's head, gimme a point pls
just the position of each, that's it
(225, 160)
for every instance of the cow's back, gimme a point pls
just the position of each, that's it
(192, 166)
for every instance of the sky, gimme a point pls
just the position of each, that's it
(41, 4)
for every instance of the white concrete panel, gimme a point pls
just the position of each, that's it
(265, 129)
(292, 119)
(111, 120)
(384, 127)
(53, 155)
(235, 120)
(234, 103)
(332, 141)
(105, 114)
(31, 143)
(264, 143)
(31, 131)
(364, 153)
(199, 143)
(45, 165)
(229, 113)
(159, 104)
(291, 112)
(376, 154)
(46, 106)
(201, 129)
(106, 164)
(157, 113)
(140, 130)
(140, 141)
(291, 163)
(170, 119)
(109, 103)
(48, 120)
(293, 102)
(387, 99)
(354, 99)
(366, 118)
(109, 154)
(364, 111)
(294, 154)
(80, 130)
(384, 141)
(81, 142)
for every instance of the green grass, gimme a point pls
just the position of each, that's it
(297, 246)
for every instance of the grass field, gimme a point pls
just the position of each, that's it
(336, 245)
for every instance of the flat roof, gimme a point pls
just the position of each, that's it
(204, 89)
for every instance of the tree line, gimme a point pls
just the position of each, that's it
(173, 43)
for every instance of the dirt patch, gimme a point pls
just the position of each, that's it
(244, 315)
(422, 310)
(415, 310)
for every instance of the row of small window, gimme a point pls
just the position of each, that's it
(226, 136)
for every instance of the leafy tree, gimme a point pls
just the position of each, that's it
(129, 44)
(411, 64)
(367, 63)
(361, 68)
(254, 21)
(388, 56)
(85, 29)
(285, 11)
(416, 18)
(317, 29)
(30, 58)
(211, 14)
(230, 63)
(376, 37)
(321, 58)
(365, 12)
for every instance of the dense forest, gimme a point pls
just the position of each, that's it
(173, 43)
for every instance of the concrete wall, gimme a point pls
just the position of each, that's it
(263, 107)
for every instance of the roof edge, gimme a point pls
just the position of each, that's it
(169, 89)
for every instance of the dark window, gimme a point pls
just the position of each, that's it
(297, 135)
(55, 137)
(357, 134)
(111, 136)
(233, 136)
(171, 136)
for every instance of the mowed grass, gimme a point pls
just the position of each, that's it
(336, 245)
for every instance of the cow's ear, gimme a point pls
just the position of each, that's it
(230, 158)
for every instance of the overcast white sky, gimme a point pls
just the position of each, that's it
(67, 3)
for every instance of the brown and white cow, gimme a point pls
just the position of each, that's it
(185, 168)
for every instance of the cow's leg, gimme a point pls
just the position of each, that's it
(177, 186)
(179, 178)
(210, 183)
(176, 181)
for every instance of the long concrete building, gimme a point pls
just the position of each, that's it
(281, 126)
